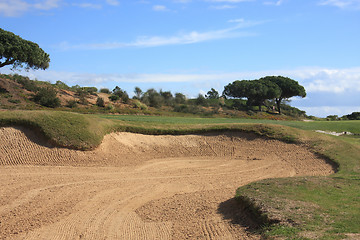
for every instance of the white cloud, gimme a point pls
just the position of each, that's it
(344, 4)
(88, 5)
(179, 39)
(238, 20)
(223, 7)
(329, 80)
(276, 3)
(160, 8)
(113, 2)
(182, 1)
(47, 4)
(14, 8)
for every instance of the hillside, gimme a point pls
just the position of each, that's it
(19, 92)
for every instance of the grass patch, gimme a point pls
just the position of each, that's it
(303, 206)
(64, 129)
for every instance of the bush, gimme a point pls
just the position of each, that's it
(140, 105)
(61, 85)
(201, 100)
(332, 118)
(100, 102)
(46, 96)
(114, 98)
(180, 98)
(71, 104)
(28, 84)
(105, 90)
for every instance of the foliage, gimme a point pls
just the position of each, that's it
(201, 100)
(105, 90)
(180, 98)
(266, 88)
(46, 96)
(353, 116)
(168, 97)
(18, 52)
(152, 98)
(212, 94)
(289, 88)
(61, 85)
(28, 84)
(71, 104)
(114, 98)
(100, 102)
(256, 91)
(138, 104)
(138, 93)
(332, 118)
(90, 90)
(121, 94)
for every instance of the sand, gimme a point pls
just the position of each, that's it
(136, 186)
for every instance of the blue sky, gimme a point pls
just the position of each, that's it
(190, 46)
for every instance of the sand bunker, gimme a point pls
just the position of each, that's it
(136, 186)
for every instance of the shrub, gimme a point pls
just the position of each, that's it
(140, 105)
(46, 96)
(201, 100)
(180, 98)
(105, 90)
(100, 102)
(61, 85)
(71, 104)
(114, 98)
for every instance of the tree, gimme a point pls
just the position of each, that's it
(256, 91)
(18, 52)
(138, 92)
(152, 98)
(289, 88)
(168, 97)
(212, 94)
(121, 94)
(180, 98)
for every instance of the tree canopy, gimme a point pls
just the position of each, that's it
(266, 88)
(256, 91)
(18, 52)
(289, 88)
(212, 94)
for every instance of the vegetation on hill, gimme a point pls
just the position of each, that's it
(19, 92)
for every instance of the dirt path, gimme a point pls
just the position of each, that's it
(136, 186)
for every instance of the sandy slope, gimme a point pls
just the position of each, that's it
(136, 186)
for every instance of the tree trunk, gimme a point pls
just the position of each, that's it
(278, 102)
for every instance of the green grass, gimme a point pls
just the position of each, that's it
(61, 128)
(336, 126)
(308, 207)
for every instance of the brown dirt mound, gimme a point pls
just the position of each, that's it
(143, 187)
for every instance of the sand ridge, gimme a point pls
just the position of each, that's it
(136, 186)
